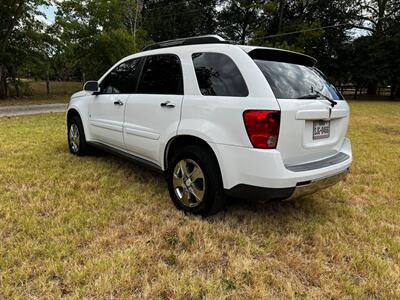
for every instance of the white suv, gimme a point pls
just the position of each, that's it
(218, 119)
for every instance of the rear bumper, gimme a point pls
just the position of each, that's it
(302, 189)
(251, 192)
(317, 185)
(242, 168)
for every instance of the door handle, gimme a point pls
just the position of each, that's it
(118, 102)
(168, 104)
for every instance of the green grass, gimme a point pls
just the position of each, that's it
(101, 227)
(35, 93)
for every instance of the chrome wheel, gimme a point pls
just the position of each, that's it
(74, 140)
(189, 183)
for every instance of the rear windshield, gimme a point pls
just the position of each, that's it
(294, 81)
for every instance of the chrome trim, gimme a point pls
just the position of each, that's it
(317, 185)
(327, 162)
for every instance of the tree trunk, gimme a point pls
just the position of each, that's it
(243, 37)
(356, 91)
(393, 89)
(48, 90)
(371, 89)
(243, 34)
(16, 87)
(3, 89)
(281, 5)
(3, 46)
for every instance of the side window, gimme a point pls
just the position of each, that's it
(218, 75)
(162, 74)
(122, 79)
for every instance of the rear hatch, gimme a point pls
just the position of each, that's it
(311, 127)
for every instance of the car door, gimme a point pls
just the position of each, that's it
(107, 108)
(152, 114)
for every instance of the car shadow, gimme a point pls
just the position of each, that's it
(305, 206)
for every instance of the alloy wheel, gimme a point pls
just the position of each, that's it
(74, 137)
(189, 183)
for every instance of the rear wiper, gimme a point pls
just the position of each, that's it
(333, 102)
(317, 95)
(310, 96)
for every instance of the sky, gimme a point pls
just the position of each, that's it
(49, 12)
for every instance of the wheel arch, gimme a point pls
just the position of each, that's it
(183, 140)
(82, 113)
(71, 113)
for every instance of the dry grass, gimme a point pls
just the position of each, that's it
(35, 93)
(101, 227)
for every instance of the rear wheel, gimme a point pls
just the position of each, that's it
(76, 137)
(194, 181)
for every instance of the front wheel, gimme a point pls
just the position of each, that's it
(194, 181)
(76, 137)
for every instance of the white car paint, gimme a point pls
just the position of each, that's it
(142, 128)
(148, 126)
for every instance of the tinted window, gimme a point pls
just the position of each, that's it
(162, 74)
(217, 75)
(293, 81)
(122, 79)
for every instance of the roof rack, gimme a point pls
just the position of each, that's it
(196, 40)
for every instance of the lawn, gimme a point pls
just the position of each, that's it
(35, 93)
(102, 227)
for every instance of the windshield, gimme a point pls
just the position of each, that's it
(293, 81)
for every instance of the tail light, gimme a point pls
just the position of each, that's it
(262, 127)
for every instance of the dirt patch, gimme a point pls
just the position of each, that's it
(388, 130)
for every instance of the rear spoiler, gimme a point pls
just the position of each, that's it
(282, 56)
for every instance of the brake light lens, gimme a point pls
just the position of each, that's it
(262, 127)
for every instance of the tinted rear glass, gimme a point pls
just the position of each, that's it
(293, 81)
(218, 75)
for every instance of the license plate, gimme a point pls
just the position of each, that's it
(321, 130)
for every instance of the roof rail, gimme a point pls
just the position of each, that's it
(195, 40)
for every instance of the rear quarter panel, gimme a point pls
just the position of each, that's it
(218, 119)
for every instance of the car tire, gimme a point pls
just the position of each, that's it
(194, 181)
(76, 137)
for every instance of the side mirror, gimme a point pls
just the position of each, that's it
(91, 86)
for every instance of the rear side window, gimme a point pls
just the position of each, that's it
(218, 75)
(162, 74)
(295, 81)
(122, 79)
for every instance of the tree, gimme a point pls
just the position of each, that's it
(95, 34)
(378, 13)
(18, 27)
(315, 27)
(392, 46)
(381, 19)
(114, 45)
(239, 19)
(165, 19)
